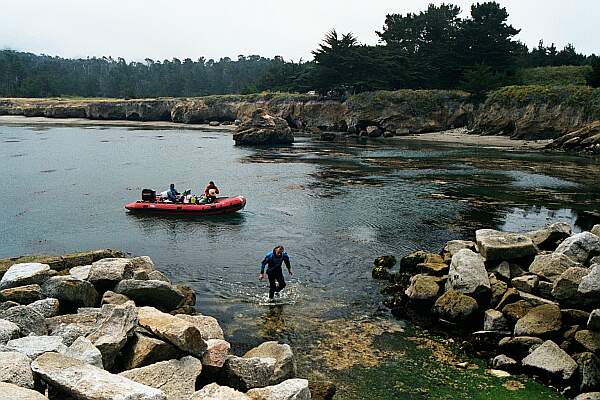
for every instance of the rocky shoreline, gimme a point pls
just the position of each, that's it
(530, 301)
(530, 112)
(98, 325)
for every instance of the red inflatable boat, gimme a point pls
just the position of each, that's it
(222, 205)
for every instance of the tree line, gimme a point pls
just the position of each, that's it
(434, 48)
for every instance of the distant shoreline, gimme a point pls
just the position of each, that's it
(19, 120)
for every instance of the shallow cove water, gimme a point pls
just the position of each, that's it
(333, 206)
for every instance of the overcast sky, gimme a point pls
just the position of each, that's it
(159, 29)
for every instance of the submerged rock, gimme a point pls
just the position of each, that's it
(550, 359)
(175, 378)
(495, 245)
(85, 381)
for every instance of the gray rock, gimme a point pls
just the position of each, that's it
(47, 307)
(588, 396)
(571, 316)
(106, 273)
(494, 320)
(83, 349)
(157, 294)
(551, 266)
(454, 246)
(248, 373)
(143, 263)
(535, 300)
(544, 289)
(110, 297)
(589, 339)
(580, 247)
(502, 270)
(595, 260)
(423, 288)
(216, 353)
(8, 330)
(84, 381)
(28, 320)
(566, 286)
(498, 288)
(495, 245)
(589, 287)
(5, 305)
(285, 366)
(539, 321)
(81, 272)
(549, 237)
(14, 392)
(526, 283)
(551, 359)
(455, 306)
(504, 362)
(15, 368)
(72, 293)
(175, 378)
(215, 392)
(519, 346)
(158, 276)
(593, 322)
(70, 326)
(589, 372)
(292, 389)
(467, 274)
(33, 346)
(22, 294)
(143, 350)
(114, 325)
(183, 334)
(25, 274)
(263, 129)
(517, 310)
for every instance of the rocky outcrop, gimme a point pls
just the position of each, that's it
(263, 129)
(585, 139)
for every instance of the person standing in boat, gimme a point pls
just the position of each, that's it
(273, 262)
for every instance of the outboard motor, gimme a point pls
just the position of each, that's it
(149, 195)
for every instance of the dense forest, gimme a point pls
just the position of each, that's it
(435, 48)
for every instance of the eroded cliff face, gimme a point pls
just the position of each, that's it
(536, 112)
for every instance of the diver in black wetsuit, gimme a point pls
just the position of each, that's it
(273, 262)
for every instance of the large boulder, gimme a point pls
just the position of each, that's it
(70, 326)
(566, 286)
(14, 392)
(106, 273)
(15, 368)
(8, 330)
(83, 349)
(495, 245)
(244, 373)
(454, 246)
(455, 306)
(423, 288)
(159, 294)
(143, 350)
(580, 247)
(208, 326)
(183, 334)
(263, 129)
(589, 287)
(27, 319)
(551, 360)
(292, 389)
(81, 272)
(539, 321)
(551, 266)
(48, 308)
(72, 293)
(548, 238)
(467, 274)
(176, 378)
(589, 339)
(112, 329)
(285, 366)
(110, 297)
(22, 294)
(33, 346)
(84, 381)
(26, 274)
(214, 391)
(517, 310)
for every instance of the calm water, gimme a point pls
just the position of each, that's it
(334, 208)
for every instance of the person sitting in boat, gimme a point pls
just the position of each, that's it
(173, 194)
(211, 186)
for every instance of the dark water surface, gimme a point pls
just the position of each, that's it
(334, 207)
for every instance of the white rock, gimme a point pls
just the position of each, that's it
(467, 274)
(8, 391)
(551, 359)
(25, 274)
(83, 349)
(580, 247)
(46, 307)
(33, 346)
(8, 330)
(216, 392)
(292, 389)
(81, 272)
